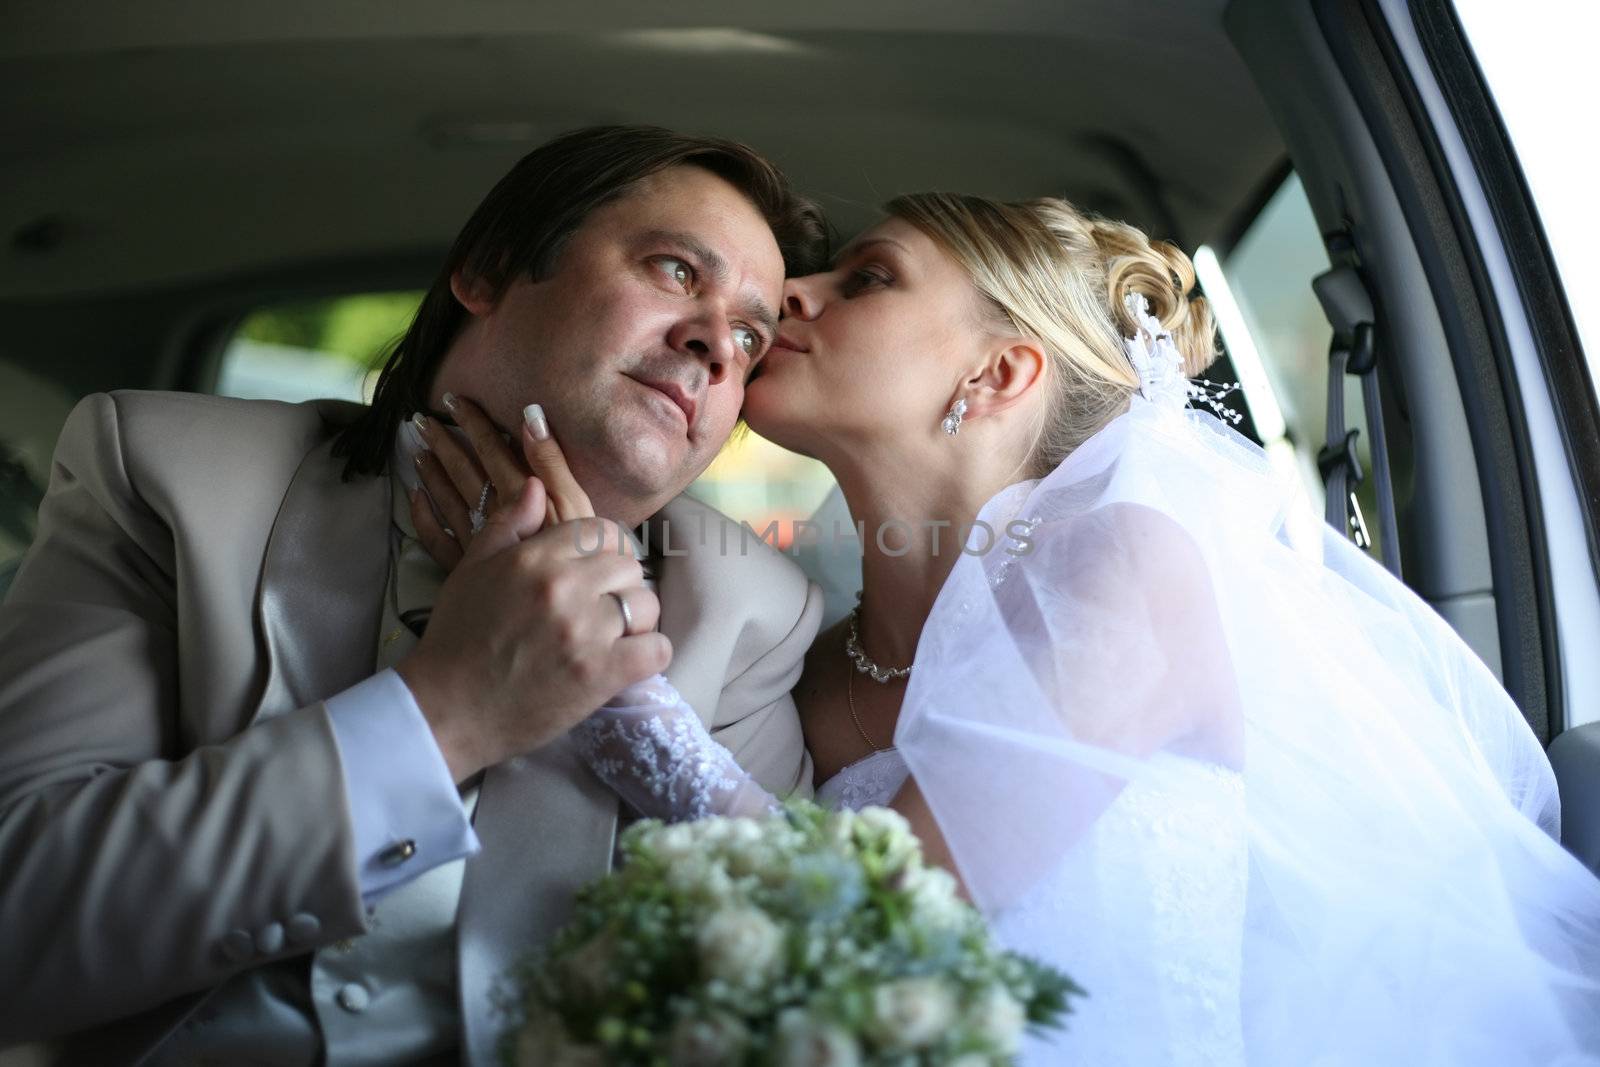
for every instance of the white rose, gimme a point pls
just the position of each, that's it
(970, 1059)
(739, 945)
(746, 857)
(935, 898)
(885, 821)
(999, 1017)
(806, 1042)
(911, 1013)
(672, 843)
(705, 1042)
(695, 875)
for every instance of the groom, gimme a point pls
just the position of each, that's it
(273, 790)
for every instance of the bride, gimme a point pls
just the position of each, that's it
(1172, 734)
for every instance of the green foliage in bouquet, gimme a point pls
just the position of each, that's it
(812, 939)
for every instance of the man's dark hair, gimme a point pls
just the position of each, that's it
(519, 231)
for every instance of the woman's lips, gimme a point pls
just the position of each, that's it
(790, 344)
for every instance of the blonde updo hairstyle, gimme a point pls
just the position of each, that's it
(1053, 274)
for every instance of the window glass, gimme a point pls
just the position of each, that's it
(307, 349)
(1537, 60)
(1277, 335)
(777, 493)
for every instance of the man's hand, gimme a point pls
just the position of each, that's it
(526, 639)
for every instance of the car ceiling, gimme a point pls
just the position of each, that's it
(166, 144)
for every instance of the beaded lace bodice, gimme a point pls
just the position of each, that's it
(1148, 909)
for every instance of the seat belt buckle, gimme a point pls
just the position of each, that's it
(1358, 532)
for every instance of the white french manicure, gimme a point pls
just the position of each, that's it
(412, 432)
(533, 415)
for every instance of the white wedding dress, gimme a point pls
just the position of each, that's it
(1191, 747)
(1157, 908)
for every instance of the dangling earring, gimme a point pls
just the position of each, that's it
(952, 421)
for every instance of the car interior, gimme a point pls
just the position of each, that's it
(249, 199)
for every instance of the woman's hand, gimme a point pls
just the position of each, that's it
(485, 470)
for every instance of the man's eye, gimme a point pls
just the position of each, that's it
(680, 272)
(748, 340)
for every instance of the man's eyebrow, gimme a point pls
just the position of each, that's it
(711, 261)
(756, 309)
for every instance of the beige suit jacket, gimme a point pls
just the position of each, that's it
(201, 581)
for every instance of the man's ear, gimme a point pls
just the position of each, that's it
(472, 292)
(1009, 375)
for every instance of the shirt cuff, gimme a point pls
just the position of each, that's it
(405, 811)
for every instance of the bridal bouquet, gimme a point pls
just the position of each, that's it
(811, 939)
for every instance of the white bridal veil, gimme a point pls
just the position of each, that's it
(1177, 606)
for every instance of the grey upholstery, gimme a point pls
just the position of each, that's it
(1575, 755)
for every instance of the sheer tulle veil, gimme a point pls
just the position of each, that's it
(1173, 602)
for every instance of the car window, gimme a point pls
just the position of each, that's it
(305, 349)
(1277, 337)
(1533, 75)
(794, 504)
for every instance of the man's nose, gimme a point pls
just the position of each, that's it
(800, 299)
(708, 340)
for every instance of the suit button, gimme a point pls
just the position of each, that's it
(398, 853)
(269, 939)
(238, 946)
(303, 929)
(353, 998)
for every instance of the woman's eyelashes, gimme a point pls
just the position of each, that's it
(862, 278)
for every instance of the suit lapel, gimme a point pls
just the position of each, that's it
(686, 573)
(322, 584)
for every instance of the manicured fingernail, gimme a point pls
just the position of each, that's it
(420, 421)
(533, 415)
(418, 458)
(450, 402)
(413, 435)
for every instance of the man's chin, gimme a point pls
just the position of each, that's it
(638, 472)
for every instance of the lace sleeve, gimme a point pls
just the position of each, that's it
(649, 745)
